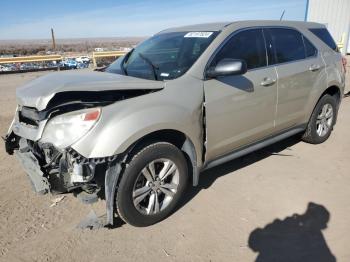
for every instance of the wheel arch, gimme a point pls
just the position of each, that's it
(332, 89)
(178, 139)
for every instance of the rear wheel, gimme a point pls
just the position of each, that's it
(322, 120)
(152, 184)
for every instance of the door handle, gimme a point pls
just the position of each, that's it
(314, 67)
(267, 81)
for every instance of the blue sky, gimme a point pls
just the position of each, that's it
(87, 18)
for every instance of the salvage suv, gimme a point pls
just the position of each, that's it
(185, 100)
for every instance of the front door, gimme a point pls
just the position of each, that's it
(240, 109)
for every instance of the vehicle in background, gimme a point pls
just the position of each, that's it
(51, 64)
(10, 67)
(185, 100)
(82, 65)
(69, 64)
(83, 59)
(26, 66)
(33, 66)
(29, 66)
(4, 68)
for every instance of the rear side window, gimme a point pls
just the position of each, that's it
(325, 36)
(310, 50)
(287, 44)
(248, 45)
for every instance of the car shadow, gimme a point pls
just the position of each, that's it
(208, 177)
(238, 82)
(296, 238)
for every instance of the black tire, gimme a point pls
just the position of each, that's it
(124, 195)
(311, 136)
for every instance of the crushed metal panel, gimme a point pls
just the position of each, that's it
(39, 92)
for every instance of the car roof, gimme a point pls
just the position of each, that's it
(198, 27)
(246, 23)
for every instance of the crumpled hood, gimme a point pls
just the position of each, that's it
(39, 92)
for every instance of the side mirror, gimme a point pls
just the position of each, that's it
(227, 67)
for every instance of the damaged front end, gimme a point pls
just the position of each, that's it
(42, 141)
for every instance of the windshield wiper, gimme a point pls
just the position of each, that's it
(154, 67)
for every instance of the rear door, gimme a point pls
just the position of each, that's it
(298, 68)
(240, 109)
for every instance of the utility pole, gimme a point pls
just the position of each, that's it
(54, 47)
(53, 40)
(282, 15)
(306, 10)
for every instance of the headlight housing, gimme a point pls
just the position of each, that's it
(64, 130)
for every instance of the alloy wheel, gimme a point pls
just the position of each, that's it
(324, 120)
(155, 186)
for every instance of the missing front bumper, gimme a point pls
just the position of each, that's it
(52, 171)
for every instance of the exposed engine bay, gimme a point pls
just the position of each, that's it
(60, 171)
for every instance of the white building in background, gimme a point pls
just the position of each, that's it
(335, 14)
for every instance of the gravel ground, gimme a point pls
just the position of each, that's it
(263, 198)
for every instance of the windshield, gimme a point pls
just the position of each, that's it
(163, 56)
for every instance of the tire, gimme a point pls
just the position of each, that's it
(313, 133)
(135, 179)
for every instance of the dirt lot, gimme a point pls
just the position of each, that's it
(216, 219)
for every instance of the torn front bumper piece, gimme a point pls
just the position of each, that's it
(31, 166)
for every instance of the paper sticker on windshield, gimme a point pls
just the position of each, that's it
(199, 34)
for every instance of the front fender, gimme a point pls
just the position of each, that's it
(125, 122)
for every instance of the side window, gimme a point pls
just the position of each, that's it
(287, 44)
(247, 45)
(310, 50)
(325, 36)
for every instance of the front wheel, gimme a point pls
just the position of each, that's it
(322, 120)
(152, 184)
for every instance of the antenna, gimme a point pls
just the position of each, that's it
(282, 15)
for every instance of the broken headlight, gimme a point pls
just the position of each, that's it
(64, 130)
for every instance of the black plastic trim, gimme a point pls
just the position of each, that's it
(255, 146)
